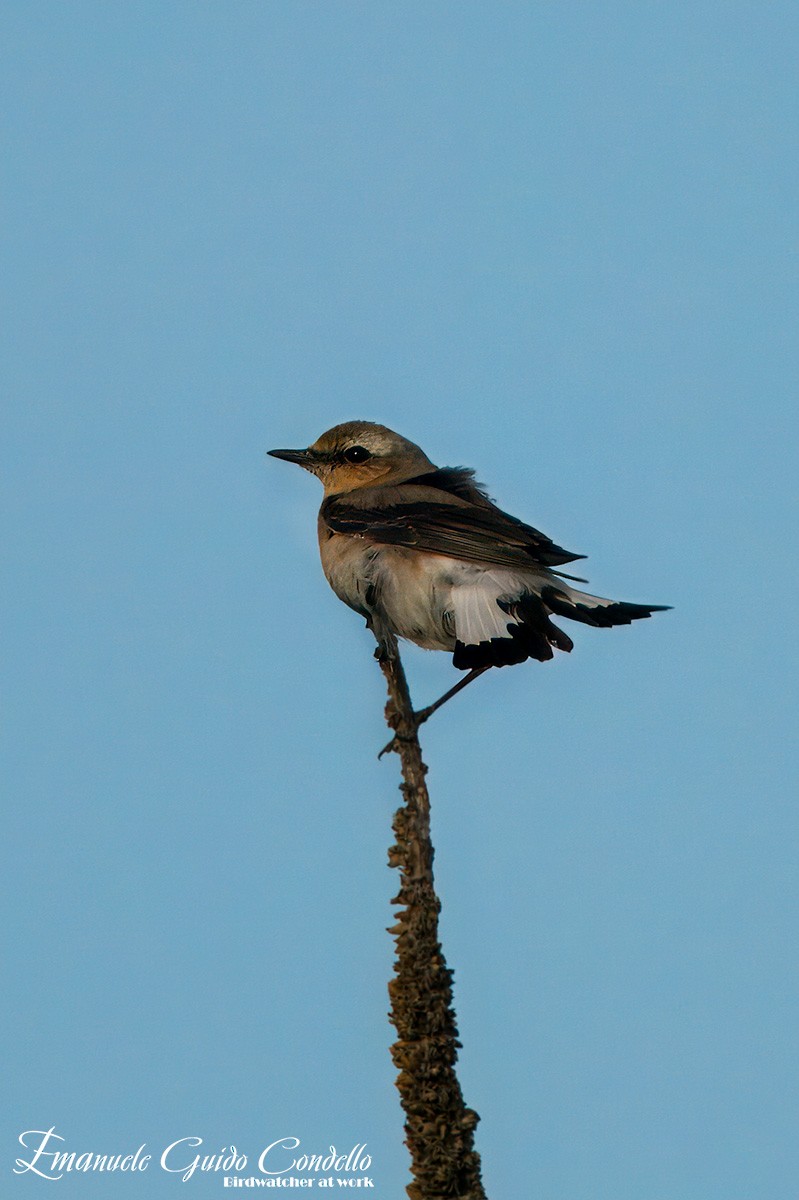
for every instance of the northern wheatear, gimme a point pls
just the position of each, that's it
(421, 552)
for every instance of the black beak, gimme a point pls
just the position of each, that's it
(303, 458)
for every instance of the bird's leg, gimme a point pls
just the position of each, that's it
(424, 714)
(386, 649)
(385, 653)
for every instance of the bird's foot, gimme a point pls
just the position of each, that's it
(419, 718)
(416, 719)
(386, 651)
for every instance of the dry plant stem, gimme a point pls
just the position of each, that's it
(438, 1125)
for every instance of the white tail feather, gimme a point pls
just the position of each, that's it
(478, 617)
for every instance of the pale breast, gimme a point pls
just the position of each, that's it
(348, 566)
(414, 592)
(430, 599)
(406, 590)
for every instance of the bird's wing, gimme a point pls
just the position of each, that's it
(418, 518)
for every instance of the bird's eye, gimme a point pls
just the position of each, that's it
(357, 454)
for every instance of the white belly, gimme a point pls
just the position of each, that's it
(429, 599)
(407, 591)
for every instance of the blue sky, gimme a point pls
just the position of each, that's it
(553, 242)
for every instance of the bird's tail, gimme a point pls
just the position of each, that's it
(566, 601)
(508, 631)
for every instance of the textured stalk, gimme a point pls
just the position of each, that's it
(439, 1127)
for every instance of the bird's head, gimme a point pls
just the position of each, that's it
(359, 454)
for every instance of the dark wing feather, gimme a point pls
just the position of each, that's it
(416, 516)
(457, 481)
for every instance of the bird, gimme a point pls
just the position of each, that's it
(424, 554)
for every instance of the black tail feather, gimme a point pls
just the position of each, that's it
(532, 635)
(602, 616)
